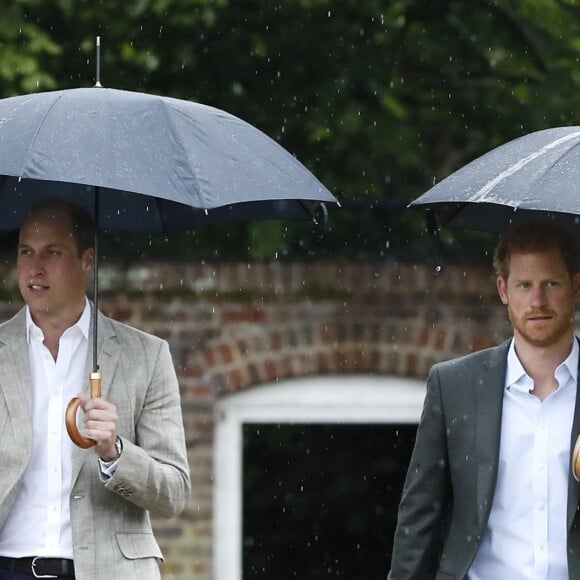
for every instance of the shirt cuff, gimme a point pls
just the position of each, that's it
(108, 468)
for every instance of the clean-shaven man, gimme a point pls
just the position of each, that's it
(67, 512)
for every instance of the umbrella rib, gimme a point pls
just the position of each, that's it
(39, 127)
(563, 154)
(166, 104)
(158, 202)
(488, 187)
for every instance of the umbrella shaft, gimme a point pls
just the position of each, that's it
(96, 283)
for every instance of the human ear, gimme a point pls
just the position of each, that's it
(576, 284)
(88, 259)
(502, 290)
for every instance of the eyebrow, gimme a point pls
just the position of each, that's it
(54, 245)
(545, 279)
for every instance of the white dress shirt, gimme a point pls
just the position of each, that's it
(39, 522)
(526, 533)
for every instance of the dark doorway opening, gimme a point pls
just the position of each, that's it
(320, 500)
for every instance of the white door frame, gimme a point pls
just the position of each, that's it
(325, 399)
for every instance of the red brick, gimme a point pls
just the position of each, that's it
(226, 353)
(235, 380)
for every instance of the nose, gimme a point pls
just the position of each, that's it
(538, 296)
(34, 265)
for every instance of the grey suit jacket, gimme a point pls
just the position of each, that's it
(451, 479)
(112, 535)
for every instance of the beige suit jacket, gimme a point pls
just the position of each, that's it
(112, 535)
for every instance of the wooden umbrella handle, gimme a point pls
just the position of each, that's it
(71, 413)
(576, 460)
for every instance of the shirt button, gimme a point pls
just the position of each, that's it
(541, 506)
(541, 467)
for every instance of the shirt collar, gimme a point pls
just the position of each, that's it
(516, 374)
(83, 323)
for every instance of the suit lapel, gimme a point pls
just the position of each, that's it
(107, 353)
(490, 383)
(15, 379)
(573, 485)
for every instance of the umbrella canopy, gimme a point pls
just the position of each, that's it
(160, 164)
(537, 174)
(144, 163)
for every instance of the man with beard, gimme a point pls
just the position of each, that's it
(490, 492)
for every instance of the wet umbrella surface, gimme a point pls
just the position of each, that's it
(188, 163)
(536, 174)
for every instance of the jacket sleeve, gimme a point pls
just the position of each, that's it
(426, 496)
(153, 471)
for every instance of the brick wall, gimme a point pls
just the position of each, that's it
(235, 326)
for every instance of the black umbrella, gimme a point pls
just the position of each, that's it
(537, 174)
(144, 163)
(190, 164)
(532, 176)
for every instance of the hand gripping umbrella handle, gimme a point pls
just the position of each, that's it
(71, 413)
(576, 460)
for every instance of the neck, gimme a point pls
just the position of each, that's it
(540, 362)
(53, 326)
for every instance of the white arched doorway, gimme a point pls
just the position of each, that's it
(327, 399)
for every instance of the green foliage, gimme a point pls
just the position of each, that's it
(378, 99)
(23, 46)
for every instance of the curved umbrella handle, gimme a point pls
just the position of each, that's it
(576, 460)
(71, 414)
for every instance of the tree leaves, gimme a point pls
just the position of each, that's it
(377, 99)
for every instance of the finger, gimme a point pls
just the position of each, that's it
(98, 425)
(104, 439)
(104, 415)
(100, 406)
(84, 400)
(105, 444)
(98, 403)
